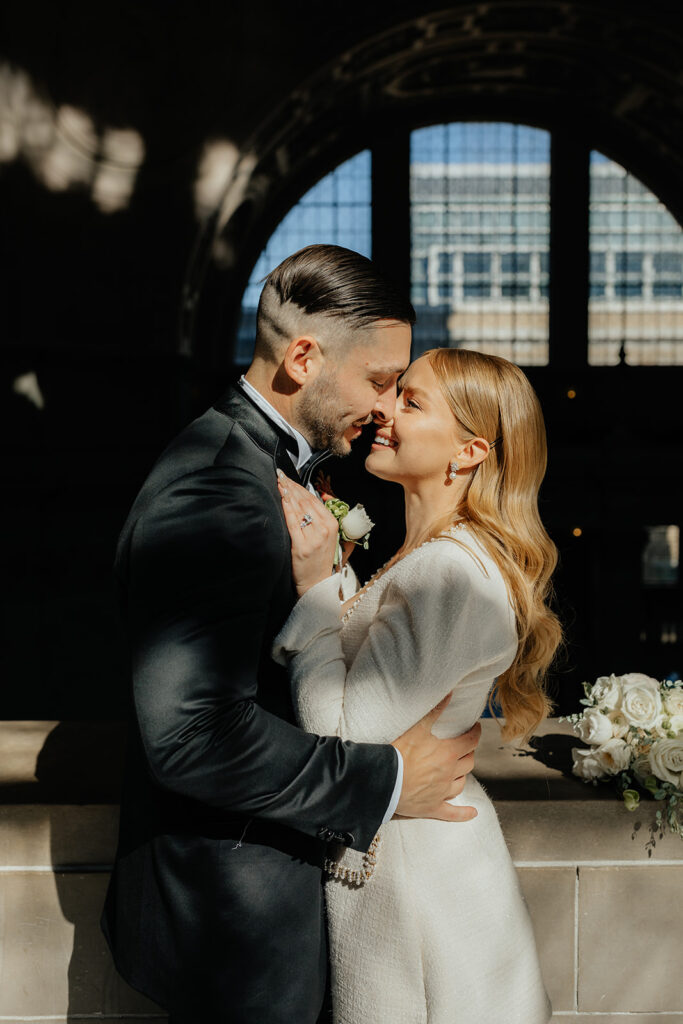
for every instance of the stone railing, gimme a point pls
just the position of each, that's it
(604, 891)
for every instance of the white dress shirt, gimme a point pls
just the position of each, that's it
(304, 453)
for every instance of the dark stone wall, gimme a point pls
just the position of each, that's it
(125, 316)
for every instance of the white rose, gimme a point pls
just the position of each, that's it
(606, 692)
(641, 702)
(676, 723)
(594, 727)
(585, 764)
(614, 756)
(666, 760)
(636, 678)
(673, 702)
(620, 726)
(356, 523)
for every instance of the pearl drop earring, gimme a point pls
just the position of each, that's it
(454, 470)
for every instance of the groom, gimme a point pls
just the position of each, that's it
(215, 907)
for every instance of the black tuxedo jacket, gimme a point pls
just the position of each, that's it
(215, 902)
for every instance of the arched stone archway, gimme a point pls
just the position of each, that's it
(610, 83)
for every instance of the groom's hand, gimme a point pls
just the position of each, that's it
(435, 770)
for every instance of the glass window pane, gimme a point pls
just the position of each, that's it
(635, 309)
(660, 556)
(445, 263)
(628, 287)
(480, 193)
(476, 263)
(479, 290)
(337, 210)
(672, 290)
(515, 262)
(668, 263)
(628, 262)
(598, 262)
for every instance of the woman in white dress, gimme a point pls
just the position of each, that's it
(430, 927)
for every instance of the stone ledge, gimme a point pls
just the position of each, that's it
(587, 867)
(59, 786)
(81, 762)
(538, 833)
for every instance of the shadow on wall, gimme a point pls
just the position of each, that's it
(81, 764)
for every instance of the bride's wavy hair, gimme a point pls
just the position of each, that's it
(491, 398)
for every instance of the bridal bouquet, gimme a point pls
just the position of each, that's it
(633, 726)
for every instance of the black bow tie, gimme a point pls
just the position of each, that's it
(290, 444)
(311, 464)
(314, 460)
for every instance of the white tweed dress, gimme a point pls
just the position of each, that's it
(440, 933)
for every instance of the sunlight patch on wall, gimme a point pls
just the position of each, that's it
(27, 385)
(216, 166)
(63, 147)
(69, 159)
(122, 154)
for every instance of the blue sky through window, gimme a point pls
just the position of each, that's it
(480, 143)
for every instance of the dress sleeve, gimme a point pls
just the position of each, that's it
(436, 624)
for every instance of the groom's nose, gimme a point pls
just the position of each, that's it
(385, 406)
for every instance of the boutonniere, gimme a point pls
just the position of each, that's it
(354, 523)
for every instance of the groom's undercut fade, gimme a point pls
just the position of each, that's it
(327, 291)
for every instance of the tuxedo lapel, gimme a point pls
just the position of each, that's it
(262, 431)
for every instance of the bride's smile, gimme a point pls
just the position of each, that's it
(420, 442)
(424, 449)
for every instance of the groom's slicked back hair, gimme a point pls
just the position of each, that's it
(327, 291)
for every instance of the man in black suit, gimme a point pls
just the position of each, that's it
(215, 904)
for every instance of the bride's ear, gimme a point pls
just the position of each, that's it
(474, 452)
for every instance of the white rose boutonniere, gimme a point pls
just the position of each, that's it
(354, 524)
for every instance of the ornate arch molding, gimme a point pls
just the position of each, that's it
(611, 82)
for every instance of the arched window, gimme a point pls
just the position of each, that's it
(635, 312)
(481, 245)
(336, 211)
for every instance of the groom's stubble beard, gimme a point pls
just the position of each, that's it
(322, 416)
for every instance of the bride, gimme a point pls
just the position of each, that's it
(429, 926)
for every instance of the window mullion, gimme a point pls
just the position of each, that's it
(569, 262)
(391, 207)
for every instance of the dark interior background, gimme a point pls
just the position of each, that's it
(127, 317)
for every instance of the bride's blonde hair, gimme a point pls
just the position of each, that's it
(491, 398)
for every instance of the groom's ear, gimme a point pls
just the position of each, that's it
(303, 360)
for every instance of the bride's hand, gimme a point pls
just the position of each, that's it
(313, 531)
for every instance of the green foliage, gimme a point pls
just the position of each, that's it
(631, 799)
(337, 507)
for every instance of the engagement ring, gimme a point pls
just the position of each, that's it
(306, 521)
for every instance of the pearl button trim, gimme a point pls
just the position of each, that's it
(394, 561)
